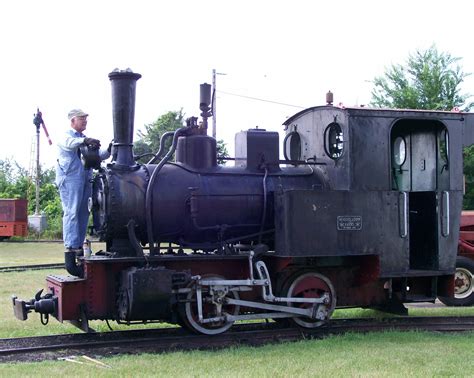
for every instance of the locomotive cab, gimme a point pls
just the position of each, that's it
(396, 180)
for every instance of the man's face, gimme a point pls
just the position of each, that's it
(79, 123)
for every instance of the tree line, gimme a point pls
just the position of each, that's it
(429, 79)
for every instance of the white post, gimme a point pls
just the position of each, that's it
(214, 98)
(37, 169)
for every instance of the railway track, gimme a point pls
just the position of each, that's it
(6, 241)
(174, 339)
(21, 268)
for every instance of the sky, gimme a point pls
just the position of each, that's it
(56, 55)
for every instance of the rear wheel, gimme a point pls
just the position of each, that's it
(311, 285)
(463, 284)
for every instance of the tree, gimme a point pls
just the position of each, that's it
(50, 203)
(16, 183)
(149, 140)
(429, 80)
(222, 152)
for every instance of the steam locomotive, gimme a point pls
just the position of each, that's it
(363, 211)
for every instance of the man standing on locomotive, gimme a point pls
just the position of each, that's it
(73, 180)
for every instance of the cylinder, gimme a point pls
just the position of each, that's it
(205, 96)
(123, 113)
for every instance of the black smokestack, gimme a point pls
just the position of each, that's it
(124, 84)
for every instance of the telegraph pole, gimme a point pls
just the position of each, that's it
(214, 103)
(214, 98)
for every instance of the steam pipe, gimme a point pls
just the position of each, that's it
(163, 140)
(149, 189)
(123, 112)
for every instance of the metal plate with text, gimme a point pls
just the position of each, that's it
(349, 222)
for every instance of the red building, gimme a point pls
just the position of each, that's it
(13, 218)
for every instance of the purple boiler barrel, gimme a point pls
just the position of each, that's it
(195, 208)
(201, 209)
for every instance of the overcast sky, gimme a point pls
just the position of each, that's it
(56, 55)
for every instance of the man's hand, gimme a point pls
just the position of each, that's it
(109, 149)
(91, 142)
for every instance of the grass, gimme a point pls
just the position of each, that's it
(12, 254)
(412, 311)
(391, 354)
(373, 354)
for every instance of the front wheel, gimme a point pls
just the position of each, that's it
(213, 305)
(463, 284)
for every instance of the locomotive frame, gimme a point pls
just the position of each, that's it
(363, 212)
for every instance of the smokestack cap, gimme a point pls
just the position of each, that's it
(126, 73)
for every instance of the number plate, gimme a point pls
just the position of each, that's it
(349, 222)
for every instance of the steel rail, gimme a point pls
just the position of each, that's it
(31, 241)
(22, 268)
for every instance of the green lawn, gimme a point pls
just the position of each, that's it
(373, 354)
(391, 354)
(12, 254)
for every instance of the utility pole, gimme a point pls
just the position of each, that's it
(214, 97)
(213, 109)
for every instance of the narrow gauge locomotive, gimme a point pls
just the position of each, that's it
(363, 212)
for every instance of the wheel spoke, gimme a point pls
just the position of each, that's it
(311, 285)
(212, 306)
